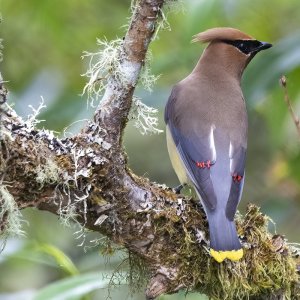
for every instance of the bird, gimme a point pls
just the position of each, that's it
(206, 131)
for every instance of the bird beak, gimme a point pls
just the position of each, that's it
(263, 46)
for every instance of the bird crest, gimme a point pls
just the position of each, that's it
(220, 33)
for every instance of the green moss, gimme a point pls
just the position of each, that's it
(138, 274)
(264, 268)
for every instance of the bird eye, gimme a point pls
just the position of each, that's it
(242, 46)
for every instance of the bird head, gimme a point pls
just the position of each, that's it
(230, 47)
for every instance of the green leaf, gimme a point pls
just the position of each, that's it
(73, 287)
(60, 257)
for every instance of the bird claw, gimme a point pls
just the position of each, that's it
(178, 188)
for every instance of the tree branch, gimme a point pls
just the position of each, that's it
(86, 178)
(287, 100)
(114, 108)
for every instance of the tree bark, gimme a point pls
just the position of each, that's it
(86, 177)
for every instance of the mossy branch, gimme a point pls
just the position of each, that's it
(85, 178)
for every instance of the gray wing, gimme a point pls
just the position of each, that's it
(202, 151)
(196, 155)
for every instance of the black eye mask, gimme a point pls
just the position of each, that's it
(245, 46)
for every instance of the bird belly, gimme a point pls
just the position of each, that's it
(175, 158)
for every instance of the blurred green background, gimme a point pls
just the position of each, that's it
(43, 43)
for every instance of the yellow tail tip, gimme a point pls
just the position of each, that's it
(233, 255)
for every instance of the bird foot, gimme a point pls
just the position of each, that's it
(178, 188)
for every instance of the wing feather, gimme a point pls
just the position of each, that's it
(199, 144)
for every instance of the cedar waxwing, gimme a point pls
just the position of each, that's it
(206, 131)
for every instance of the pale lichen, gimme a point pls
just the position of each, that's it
(102, 64)
(170, 6)
(109, 62)
(32, 121)
(10, 215)
(110, 69)
(68, 215)
(144, 116)
(67, 212)
(148, 79)
(47, 173)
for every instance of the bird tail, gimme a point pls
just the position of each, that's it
(224, 241)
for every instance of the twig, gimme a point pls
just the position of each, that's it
(283, 84)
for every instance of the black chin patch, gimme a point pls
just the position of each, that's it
(245, 46)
